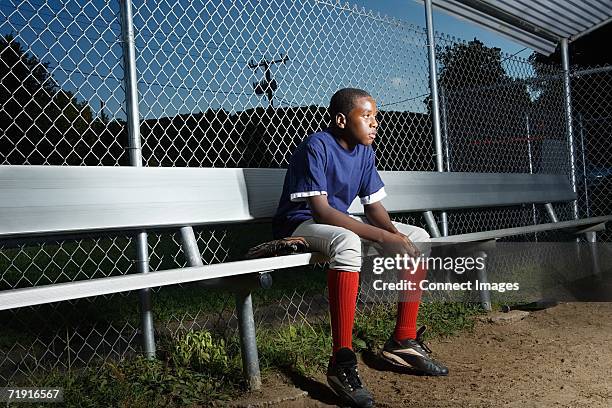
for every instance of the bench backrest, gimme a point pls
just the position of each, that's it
(45, 200)
(429, 191)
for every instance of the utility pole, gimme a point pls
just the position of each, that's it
(268, 85)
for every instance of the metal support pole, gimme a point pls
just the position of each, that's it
(529, 152)
(131, 89)
(447, 156)
(431, 224)
(585, 180)
(444, 122)
(192, 253)
(248, 345)
(551, 212)
(568, 117)
(146, 304)
(433, 85)
(435, 103)
(591, 237)
(190, 247)
(485, 295)
(135, 151)
(530, 155)
(244, 307)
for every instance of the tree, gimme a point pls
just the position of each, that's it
(483, 110)
(591, 94)
(39, 122)
(26, 87)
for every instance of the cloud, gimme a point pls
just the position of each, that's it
(398, 82)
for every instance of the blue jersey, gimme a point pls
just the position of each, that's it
(321, 166)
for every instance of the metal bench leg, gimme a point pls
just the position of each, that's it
(244, 309)
(485, 296)
(190, 247)
(248, 344)
(551, 212)
(591, 237)
(444, 216)
(146, 308)
(434, 231)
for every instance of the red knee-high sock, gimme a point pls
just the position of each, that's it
(408, 305)
(342, 287)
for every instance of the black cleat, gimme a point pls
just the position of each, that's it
(343, 378)
(412, 354)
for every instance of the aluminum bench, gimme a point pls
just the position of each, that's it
(39, 202)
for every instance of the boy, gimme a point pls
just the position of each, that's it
(326, 172)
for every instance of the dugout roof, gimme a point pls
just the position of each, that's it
(537, 24)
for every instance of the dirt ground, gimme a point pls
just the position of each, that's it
(559, 357)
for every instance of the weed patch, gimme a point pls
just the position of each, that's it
(197, 367)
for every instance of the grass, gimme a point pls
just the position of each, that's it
(192, 368)
(196, 368)
(306, 347)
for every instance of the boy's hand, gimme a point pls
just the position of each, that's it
(398, 243)
(416, 252)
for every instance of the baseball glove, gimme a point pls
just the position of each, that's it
(278, 247)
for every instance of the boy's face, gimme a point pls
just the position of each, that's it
(360, 124)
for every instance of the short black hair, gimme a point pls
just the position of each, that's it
(343, 101)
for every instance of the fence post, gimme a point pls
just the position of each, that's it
(447, 150)
(568, 116)
(444, 124)
(530, 156)
(135, 151)
(585, 179)
(435, 103)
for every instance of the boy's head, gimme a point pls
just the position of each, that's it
(353, 116)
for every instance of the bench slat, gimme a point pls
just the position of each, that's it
(15, 298)
(61, 199)
(10, 299)
(430, 191)
(55, 199)
(508, 232)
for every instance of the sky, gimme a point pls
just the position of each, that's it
(414, 12)
(193, 55)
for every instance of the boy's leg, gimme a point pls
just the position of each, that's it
(405, 348)
(342, 287)
(408, 305)
(409, 300)
(343, 247)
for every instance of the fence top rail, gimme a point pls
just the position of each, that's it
(50, 200)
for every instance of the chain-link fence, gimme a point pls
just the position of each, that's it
(227, 84)
(592, 108)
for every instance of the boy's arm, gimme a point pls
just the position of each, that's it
(378, 216)
(323, 213)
